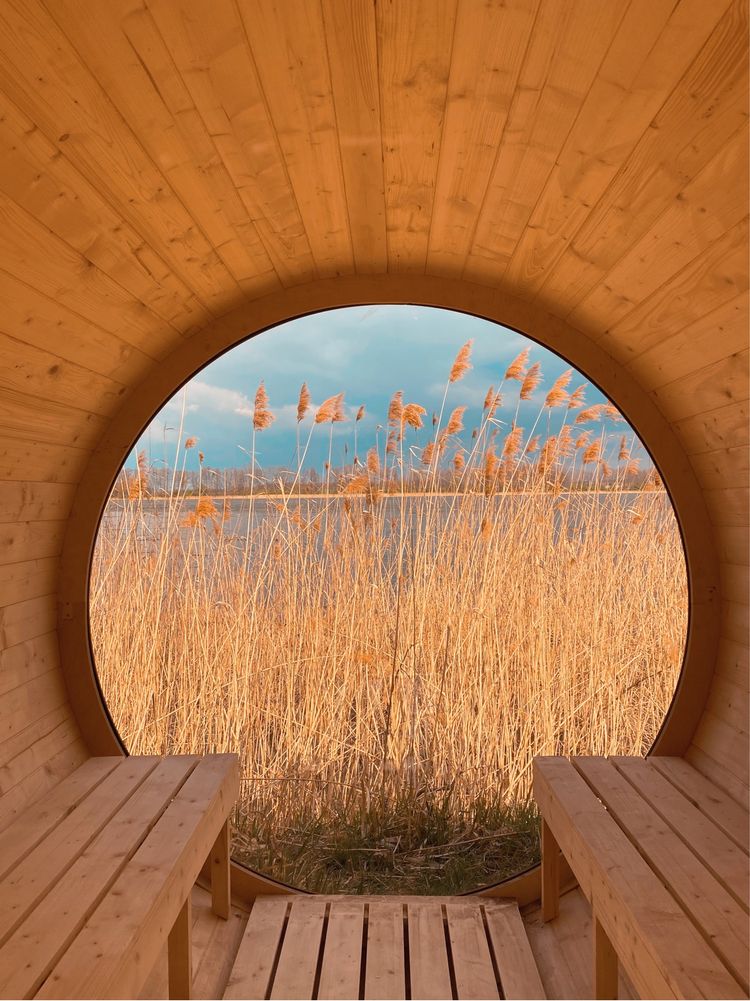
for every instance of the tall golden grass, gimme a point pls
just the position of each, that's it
(372, 655)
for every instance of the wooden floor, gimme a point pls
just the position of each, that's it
(223, 955)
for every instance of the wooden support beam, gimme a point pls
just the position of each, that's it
(550, 874)
(605, 964)
(220, 874)
(180, 953)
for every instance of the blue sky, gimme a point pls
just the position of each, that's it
(368, 352)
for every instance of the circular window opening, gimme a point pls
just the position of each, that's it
(387, 554)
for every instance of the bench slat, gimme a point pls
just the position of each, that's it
(25, 833)
(43, 867)
(385, 973)
(428, 961)
(663, 952)
(33, 949)
(725, 812)
(298, 960)
(716, 850)
(470, 952)
(128, 928)
(340, 969)
(253, 965)
(519, 974)
(717, 915)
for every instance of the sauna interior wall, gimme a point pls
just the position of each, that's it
(162, 165)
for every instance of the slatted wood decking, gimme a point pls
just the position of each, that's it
(384, 947)
(662, 855)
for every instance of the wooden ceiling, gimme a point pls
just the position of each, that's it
(164, 161)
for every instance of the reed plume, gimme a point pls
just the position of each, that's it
(412, 415)
(517, 368)
(577, 397)
(303, 403)
(190, 443)
(531, 380)
(262, 416)
(396, 408)
(360, 413)
(512, 443)
(462, 364)
(590, 414)
(593, 452)
(455, 421)
(558, 394)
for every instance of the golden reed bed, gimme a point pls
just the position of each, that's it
(385, 665)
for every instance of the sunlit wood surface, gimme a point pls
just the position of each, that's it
(162, 163)
(661, 855)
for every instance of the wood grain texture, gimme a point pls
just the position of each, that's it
(174, 175)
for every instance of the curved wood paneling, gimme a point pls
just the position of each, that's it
(175, 174)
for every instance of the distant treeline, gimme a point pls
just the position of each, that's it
(148, 481)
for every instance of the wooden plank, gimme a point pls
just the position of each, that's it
(351, 43)
(566, 48)
(721, 919)
(21, 837)
(221, 891)
(68, 104)
(470, 952)
(605, 964)
(725, 427)
(28, 749)
(216, 65)
(256, 956)
(705, 389)
(730, 702)
(654, 45)
(35, 502)
(28, 660)
(729, 745)
(713, 768)
(726, 467)
(39, 782)
(519, 976)
(27, 549)
(39, 178)
(130, 59)
(25, 416)
(714, 803)
(662, 952)
(289, 49)
(429, 973)
(550, 874)
(212, 964)
(300, 950)
(705, 108)
(342, 952)
(30, 701)
(154, 884)
(30, 954)
(414, 54)
(713, 202)
(47, 863)
(717, 852)
(489, 45)
(385, 974)
(709, 339)
(180, 953)
(23, 620)
(716, 276)
(27, 459)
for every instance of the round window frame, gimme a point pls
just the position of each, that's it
(495, 305)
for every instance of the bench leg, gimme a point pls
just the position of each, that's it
(550, 874)
(605, 964)
(179, 953)
(220, 888)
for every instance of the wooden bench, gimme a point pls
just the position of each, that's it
(96, 877)
(661, 854)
